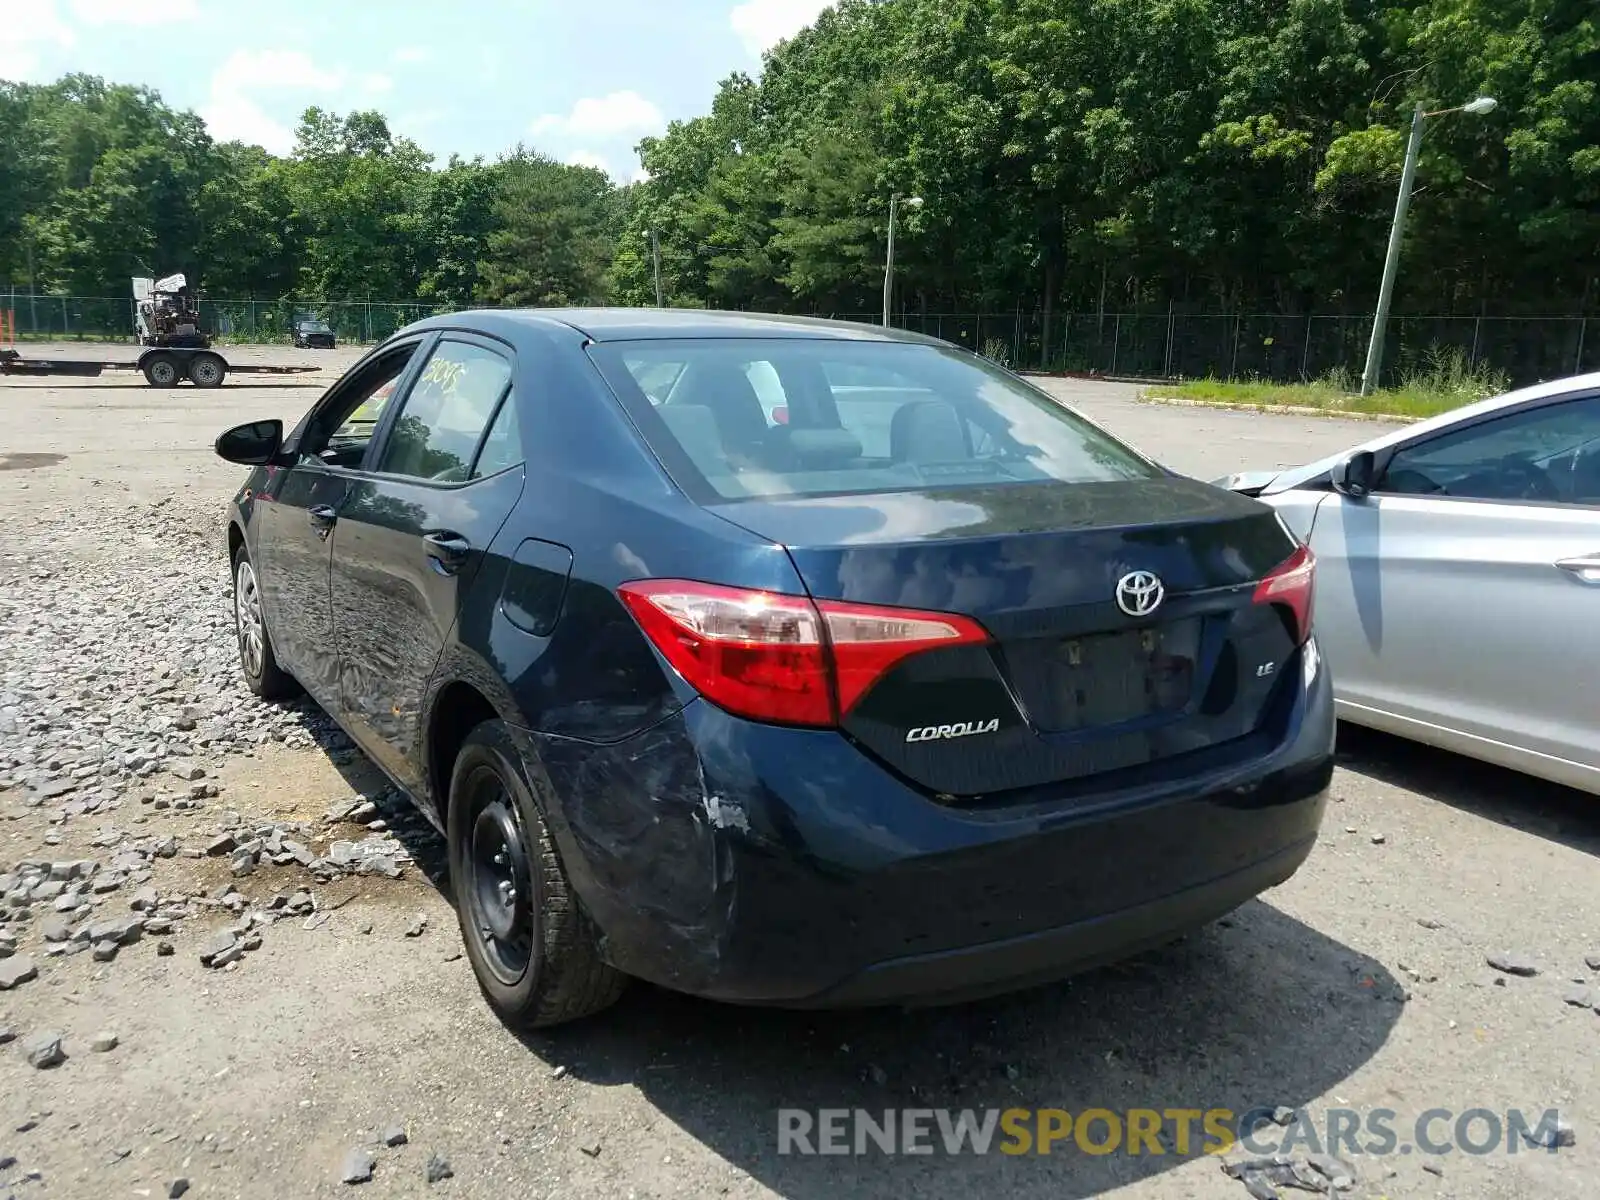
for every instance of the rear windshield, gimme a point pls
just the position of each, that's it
(744, 418)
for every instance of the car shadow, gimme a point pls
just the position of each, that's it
(1255, 1013)
(1252, 1013)
(1510, 798)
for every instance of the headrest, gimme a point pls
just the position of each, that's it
(695, 427)
(928, 431)
(820, 449)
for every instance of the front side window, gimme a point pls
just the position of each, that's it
(341, 430)
(1550, 454)
(754, 417)
(446, 413)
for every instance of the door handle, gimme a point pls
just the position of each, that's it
(447, 550)
(322, 516)
(1586, 567)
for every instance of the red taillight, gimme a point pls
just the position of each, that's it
(786, 659)
(1291, 585)
(867, 641)
(780, 415)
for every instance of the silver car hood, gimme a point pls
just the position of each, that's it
(1268, 483)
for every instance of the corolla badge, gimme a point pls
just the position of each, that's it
(936, 733)
(1139, 593)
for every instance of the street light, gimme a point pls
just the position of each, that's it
(1391, 263)
(888, 262)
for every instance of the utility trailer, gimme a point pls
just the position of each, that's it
(162, 366)
(166, 317)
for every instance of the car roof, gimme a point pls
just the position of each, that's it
(654, 324)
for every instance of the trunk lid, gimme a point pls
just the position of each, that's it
(1074, 689)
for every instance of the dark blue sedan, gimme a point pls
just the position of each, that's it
(781, 661)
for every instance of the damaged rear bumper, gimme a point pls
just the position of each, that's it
(760, 865)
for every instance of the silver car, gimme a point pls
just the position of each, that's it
(1458, 579)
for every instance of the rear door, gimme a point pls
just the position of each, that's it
(1465, 591)
(412, 533)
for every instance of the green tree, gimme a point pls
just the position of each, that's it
(553, 234)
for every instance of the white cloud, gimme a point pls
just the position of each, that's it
(376, 83)
(234, 117)
(250, 69)
(408, 55)
(134, 12)
(588, 158)
(762, 24)
(642, 175)
(617, 115)
(24, 32)
(233, 113)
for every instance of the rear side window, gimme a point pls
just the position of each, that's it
(503, 447)
(446, 413)
(746, 418)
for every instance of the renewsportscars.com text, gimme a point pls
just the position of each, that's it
(1181, 1132)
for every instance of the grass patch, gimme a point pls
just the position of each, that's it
(1444, 381)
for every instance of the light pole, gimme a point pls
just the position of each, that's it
(1391, 263)
(888, 262)
(655, 258)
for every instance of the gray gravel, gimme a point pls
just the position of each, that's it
(358, 1166)
(1354, 985)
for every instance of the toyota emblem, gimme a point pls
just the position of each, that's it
(1139, 593)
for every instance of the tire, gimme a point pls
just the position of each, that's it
(207, 370)
(262, 674)
(534, 950)
(162, 371)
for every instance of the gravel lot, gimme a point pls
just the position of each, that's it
(337, 1005)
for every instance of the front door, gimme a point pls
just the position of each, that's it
(1465, 591)
(297, 513)
(412, 533)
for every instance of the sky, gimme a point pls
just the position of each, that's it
(580, 80)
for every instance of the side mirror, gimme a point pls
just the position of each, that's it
(1355, 474)
(253, 444)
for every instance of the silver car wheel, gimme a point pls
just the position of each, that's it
(247, 615)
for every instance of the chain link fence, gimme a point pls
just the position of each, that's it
(1265, 346)
(1171, 345)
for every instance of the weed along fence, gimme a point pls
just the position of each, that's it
(1271, 347)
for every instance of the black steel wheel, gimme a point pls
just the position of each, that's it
(498, 885)
(532, 947)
